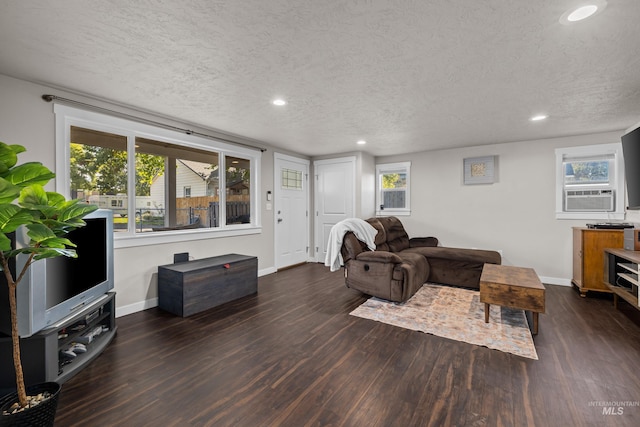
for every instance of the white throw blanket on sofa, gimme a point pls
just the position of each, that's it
(363, 231)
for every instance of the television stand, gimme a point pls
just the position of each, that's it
(621, 275)
(42, 359)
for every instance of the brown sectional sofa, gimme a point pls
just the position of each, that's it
(401, 265)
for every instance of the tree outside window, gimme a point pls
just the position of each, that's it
(393, 188)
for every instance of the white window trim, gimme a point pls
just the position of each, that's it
(585, 151)
(392, 167)
(66, 116)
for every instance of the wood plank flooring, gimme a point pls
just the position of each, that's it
(292, 356)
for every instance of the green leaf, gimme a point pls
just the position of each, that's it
(5, 243)
(30, 173)
(55, 252)
(17, 148)
(8, 191)
(13, 216)
(76, 210)
(33, 197)
(9, 154)
(56, 200)
(14, 253)
(39, 232)
(59, 227)
(57, 242)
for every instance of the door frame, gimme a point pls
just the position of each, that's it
(317, 232)
(276, 194)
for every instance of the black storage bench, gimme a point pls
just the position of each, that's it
(187, 288)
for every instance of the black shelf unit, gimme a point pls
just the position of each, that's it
(40, 352)
(622, 268)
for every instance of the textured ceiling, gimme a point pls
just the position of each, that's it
(404, 75)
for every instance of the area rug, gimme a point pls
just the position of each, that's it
(457, 314)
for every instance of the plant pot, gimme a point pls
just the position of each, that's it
(42, 414)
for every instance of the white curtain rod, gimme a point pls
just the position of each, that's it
(50, 98)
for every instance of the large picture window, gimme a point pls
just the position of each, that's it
(156, 181)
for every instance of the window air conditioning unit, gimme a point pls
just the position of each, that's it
(589, 201)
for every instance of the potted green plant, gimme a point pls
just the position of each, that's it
(47, 217)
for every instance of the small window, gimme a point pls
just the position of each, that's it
(393, 189)
(291, 179)
(187, 191)
(238, 189)
(590, 182)
(587, 171)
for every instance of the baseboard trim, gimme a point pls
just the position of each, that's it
(555, 281)
(267, 271)
(153, 302)
(136, 307)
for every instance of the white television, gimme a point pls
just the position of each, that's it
(55, 288)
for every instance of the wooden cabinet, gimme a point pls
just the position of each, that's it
(588, 257)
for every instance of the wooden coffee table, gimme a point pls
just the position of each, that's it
(515, 287)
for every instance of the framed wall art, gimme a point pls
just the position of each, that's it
(480, 170)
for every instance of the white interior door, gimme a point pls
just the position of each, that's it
(291, 210)
(335, 198)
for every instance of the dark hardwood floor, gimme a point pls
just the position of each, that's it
(292, 356)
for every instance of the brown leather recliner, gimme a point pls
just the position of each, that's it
(400, 266)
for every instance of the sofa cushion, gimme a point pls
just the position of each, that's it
(456, 266)
(415, 270)
(381, 237)
(470, 256)
(379, 256)
(391, 234)
(351, 247)
(415, 242)
(456, 273)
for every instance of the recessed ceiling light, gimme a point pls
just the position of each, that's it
(538, 117)
(362, 142)
(584, 11)
(279, 102)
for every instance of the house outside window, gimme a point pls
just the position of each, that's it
(238, 188)
(393, 189)
(590, 182)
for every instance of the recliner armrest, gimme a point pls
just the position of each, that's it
(417, 242)
(379, 256)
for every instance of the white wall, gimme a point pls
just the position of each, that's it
(515, 214)
(27, 120)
